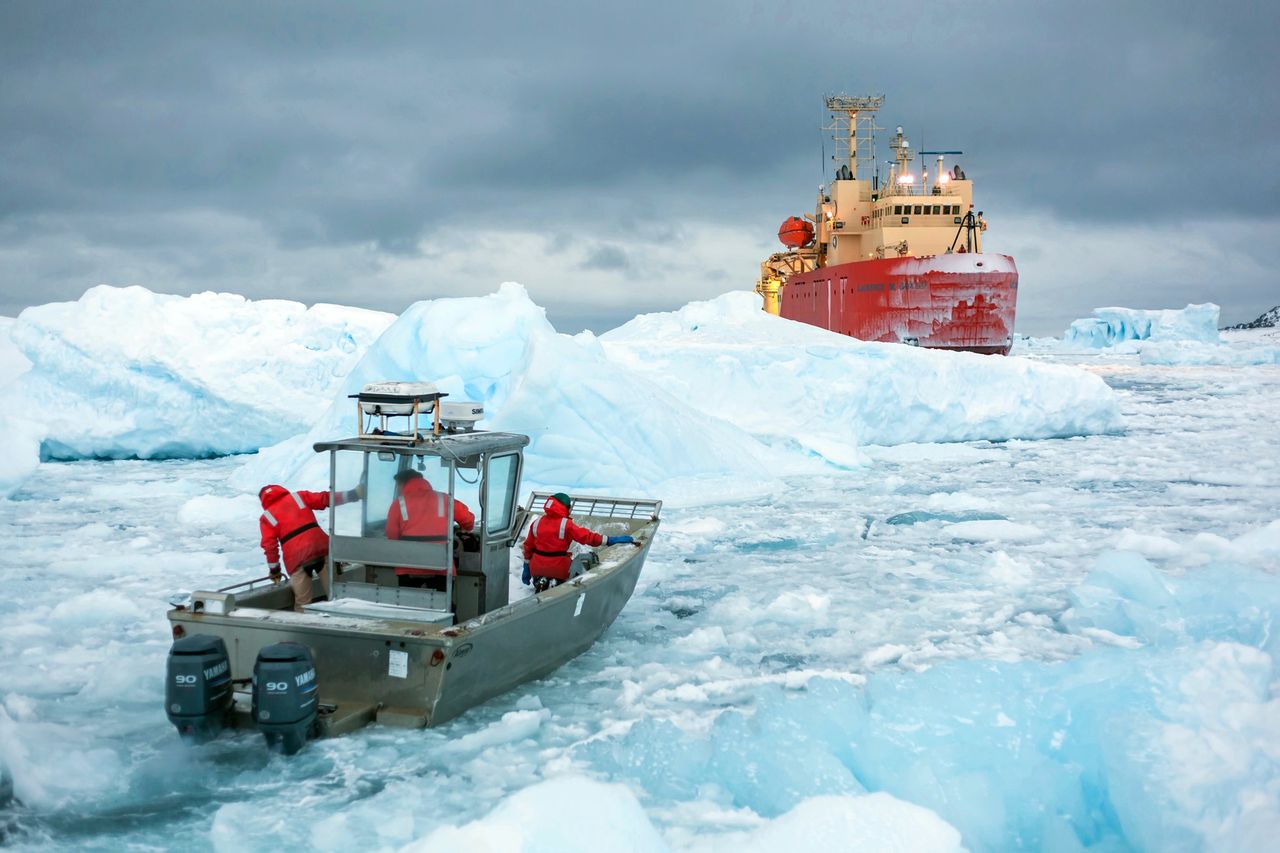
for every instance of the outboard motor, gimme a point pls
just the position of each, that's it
(285, 701)
(197, 691)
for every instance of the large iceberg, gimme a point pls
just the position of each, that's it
(124, 372)
(718, 389)
(1111, 326)
(592, 424)
(794, 386)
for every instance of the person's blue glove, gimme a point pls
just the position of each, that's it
(526, 577)
(619, 540)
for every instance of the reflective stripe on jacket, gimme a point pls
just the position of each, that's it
(420, 513)
(547, 545)
(289, 528)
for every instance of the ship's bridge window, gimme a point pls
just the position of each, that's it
(937, 209)
(917, 210)
(897, 210)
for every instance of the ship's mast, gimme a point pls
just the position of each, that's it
(853, 128)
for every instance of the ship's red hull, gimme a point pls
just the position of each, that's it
(962, 301)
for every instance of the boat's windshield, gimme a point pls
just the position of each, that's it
(386, 477)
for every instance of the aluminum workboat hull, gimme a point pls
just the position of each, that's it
(407, 672)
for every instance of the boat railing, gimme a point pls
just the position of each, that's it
(604, 507)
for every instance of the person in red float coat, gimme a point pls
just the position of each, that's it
(546, 548)
(420, 513)
(290, 533)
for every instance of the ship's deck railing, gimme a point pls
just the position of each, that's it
(913, 191)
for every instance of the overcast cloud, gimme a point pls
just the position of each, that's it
(618, 158)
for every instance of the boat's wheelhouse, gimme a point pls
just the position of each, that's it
(480, 469)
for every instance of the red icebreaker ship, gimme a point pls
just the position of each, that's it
(897, 260)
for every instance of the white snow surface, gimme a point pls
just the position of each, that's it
(125, 372)
(718, 389)
(958, 262)
(1111, 326)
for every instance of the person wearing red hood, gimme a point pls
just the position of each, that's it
(420, 513)
(290, 533)
(546, 549)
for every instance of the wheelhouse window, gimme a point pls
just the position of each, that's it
(377, 470)
(500, 489)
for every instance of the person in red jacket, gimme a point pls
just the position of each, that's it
(546, 548)
(290, 533)
(420, 513)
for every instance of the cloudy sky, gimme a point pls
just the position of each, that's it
(621, 157)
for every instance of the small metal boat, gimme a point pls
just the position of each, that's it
(376, 651)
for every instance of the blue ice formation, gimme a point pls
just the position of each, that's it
(592, 423)
(124, 373)
(1162, 736)
(717, 389)
(795, 386)
(1174, 353)
(919, 516)
(1110, 326)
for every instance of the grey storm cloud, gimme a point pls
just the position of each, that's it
(189, 145)
(606, 257)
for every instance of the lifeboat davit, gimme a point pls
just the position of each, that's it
(796, 233)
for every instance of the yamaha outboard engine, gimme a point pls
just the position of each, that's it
(197, 691)
(285, 701)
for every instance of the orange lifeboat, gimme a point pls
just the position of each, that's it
(796, 232)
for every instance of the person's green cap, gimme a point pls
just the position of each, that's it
(406, 475)
(563, 498)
